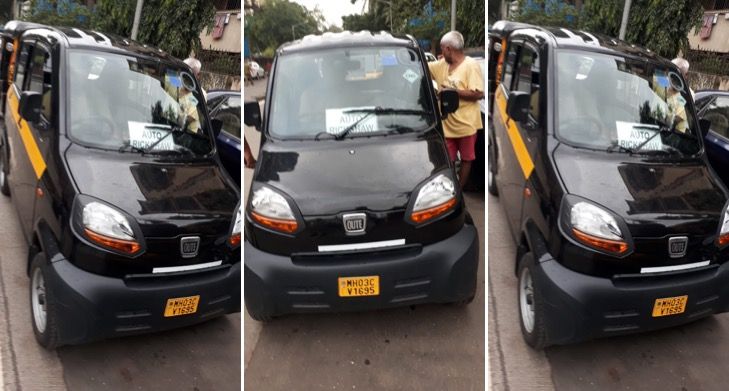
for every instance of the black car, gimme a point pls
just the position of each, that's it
(354, 203)
(225, 107)
(109, 158)
(713, 106)
(621, 224)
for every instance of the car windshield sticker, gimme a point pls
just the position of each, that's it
(388, 59)
(142, 135)
(174, 79)
(631, 135)
(661, 79)
(340, 119)
(410, 76)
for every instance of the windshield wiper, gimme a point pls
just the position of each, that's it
(378, 111)
(662, 129)
(128, 146)
(170, 130)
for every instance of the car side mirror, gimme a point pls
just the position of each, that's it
(704, 125)
(518, 106)
(448, 102)
(217, 126)
(30, 105)
(252, 114)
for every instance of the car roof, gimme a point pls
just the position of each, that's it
(72, 37)
(346, 39)
(561, 37)
(702, 93)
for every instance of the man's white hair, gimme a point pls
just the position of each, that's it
(452, 39)
(682, 64)
(194, 64)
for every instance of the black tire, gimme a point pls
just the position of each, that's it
(491, 175)
(259, 317)
(4, 187)
(537, 336)
(48, 337)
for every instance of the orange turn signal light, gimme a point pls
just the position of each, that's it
(234, 240)
(430, 213)
(722, 240)
(125, 246)
(288, 226)
(613, 246)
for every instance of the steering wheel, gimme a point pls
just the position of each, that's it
(585, 129)
(99, 128)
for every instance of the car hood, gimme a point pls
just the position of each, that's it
(167, 197)
(655, 196)
(328, 176)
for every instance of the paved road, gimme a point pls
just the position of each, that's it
(687, 358)
(430, 347)
(202, 357)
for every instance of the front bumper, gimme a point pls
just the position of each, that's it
(92, 307)
(441, 272)
(579, 307)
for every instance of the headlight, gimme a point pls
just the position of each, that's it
(723, 238)
(271, 210)
(435, 198)
(108, 227)
(234, 239)
(597, 228)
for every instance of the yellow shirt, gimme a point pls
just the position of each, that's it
(467, 76)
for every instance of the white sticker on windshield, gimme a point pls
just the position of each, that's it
(340, 119)
(631, 135)
(142, 135)
(410, 76)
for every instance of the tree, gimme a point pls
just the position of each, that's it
(159, 26)
(60, 13)
(494, 11)
(173, 25)
(273, 24)
(6, 10)
(547, 13)
(367, 21)
(660, 25)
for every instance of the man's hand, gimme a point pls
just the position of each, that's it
(470, 95)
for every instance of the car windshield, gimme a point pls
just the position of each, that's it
(349, 92)
(128, 103)
(623, 104)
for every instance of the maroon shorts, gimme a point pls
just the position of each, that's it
(465, 145)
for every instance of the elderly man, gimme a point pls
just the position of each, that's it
(683, 66)
(462, 73)
(196, 66)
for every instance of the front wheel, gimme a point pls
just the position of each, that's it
(531, 305)
(43, 307)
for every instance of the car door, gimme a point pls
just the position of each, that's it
(717, 140)
(511, 166)
(26, 163)
(528, 79)
(228, 112)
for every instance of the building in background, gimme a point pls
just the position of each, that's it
(221, 46)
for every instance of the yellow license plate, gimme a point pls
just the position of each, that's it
(669, 306)
(179, 306)
(359, 286)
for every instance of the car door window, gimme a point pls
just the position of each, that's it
(509, 65)
(21, 64)
(528, 78)
(40, 73)
(718, 113)
(229, 114)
